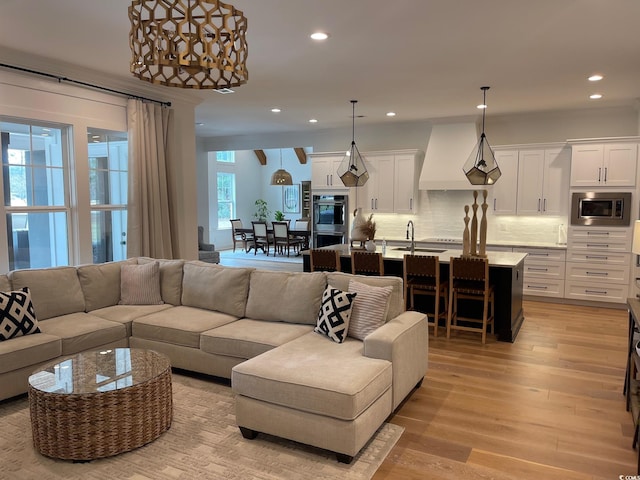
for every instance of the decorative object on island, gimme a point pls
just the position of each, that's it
(262, 211)
(281, 176)
(199, 44)
(352, 170)
(470, 235)
(369, 228)
(481, 167)
(357, 235)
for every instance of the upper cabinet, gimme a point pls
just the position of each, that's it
(543, 177)
(504, 191)
(393, 182)
(604, 164)
(324, 171)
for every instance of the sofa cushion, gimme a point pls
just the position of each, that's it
(170, 278)
(126, 314)
(140, 284)
(369, 308)
(54, 291)
(83, 331)
(179, 325)
(314, 374)
(248, 338)
(292, 297)
(334, 314)
(100, 283)
(17, 316)
(396, 301)
(214, 287)
(5, 284)
(29, 350)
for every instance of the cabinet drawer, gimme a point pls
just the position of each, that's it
(615, 293)
(601, 245)
(543, 270)
(598, 273)
(542, 255)
(598, 257)
(600, 233)
(543, 287)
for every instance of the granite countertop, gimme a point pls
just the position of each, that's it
(496, 259)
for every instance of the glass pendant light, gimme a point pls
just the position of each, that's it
(481, 167)
(352, 170)
(281, 176)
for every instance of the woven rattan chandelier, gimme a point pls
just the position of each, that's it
(198, 44)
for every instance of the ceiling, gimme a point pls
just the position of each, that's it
(423, 59)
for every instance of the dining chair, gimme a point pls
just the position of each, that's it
(469, 280)
(303, 224)
(239, 237)
(282, 239)
(321, 260)
(366, 263)
(260, 237)
(422, 277)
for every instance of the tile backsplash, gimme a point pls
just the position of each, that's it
(441, 215)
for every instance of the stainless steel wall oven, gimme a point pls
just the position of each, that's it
(330, 219)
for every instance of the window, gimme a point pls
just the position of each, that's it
(108, 172)
(35, 185)
(226, 186)
(226, 157)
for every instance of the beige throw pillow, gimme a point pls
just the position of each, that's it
(140, 284)
(369, 308)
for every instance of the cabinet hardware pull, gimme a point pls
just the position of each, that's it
(411, 204)
(538, 204)
(595, 292)
(605, 174)
(539, 254)
(597, 233)
(494, 204)
(537, 269)
(327, 179)
(376, 203)
(597, 257)
(599, 174)
(603, 245)
(597, 274)
(331, 178)
(544, 205)
(539, 287)
(371, 203)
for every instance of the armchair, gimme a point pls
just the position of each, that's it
(206, 251)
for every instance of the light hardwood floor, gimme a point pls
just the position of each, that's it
(548, 406)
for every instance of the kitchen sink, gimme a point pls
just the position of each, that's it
(418, 249)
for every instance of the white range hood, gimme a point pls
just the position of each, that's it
(450, 144)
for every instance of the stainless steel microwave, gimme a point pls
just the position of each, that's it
(601, 208)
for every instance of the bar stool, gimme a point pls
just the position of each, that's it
(366, 263)
(422, 277)
(324, 260)
(469, 280)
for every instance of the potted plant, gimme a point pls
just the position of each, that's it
(279, 216)
(262, 211)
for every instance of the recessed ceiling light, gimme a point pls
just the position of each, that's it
(595, 78)
(276, 110)
(595, 96)
(313, 120)
(319, 36)
(391, 114)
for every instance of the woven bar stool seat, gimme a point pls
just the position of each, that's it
(366, 263)
(324, 260)
(422, 277)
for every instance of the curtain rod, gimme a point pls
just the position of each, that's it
(84, 84)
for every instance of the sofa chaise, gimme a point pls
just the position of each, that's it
(261, 329)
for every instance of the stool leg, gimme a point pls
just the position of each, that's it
(449, 312)
(436, 317)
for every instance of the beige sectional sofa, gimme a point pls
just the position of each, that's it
(254, 327)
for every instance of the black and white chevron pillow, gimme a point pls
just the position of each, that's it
(17, 316)
(334, 315)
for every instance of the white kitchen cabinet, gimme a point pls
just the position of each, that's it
(324, 171)
(543, 177)
(406, 176)
(505, 191)
(544, 272)
(604, 164)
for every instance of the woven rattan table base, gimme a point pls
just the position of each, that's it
(101, 424)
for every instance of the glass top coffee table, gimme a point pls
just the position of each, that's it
(100, 403)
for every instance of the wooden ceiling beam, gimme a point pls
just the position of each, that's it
(262, 157)
(301, 154)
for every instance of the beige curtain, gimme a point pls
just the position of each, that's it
(150, 128)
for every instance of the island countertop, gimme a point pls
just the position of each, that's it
(496, 259)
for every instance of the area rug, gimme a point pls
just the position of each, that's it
(202, 443)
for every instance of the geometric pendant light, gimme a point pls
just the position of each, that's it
(352, 170)
(281, 176)
(199, 44)
(481, 167)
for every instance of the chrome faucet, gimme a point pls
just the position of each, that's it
(413, 242)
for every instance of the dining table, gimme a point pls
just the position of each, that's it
(304, 234)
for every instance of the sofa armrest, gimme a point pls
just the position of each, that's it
(404, 341)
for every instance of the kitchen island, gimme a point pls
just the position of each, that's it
(505, 272)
